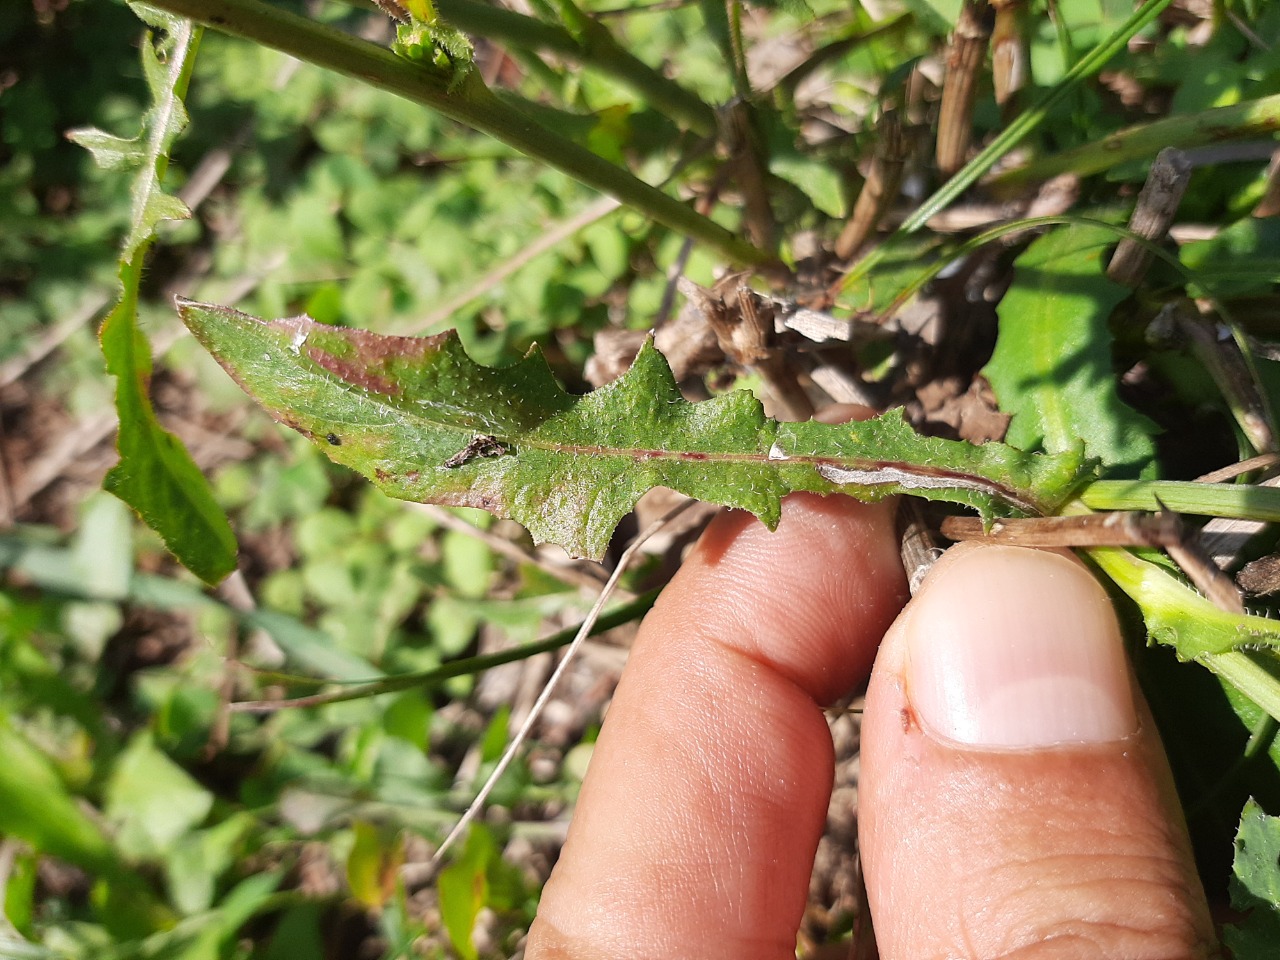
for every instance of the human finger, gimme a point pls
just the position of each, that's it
(707, 791)
(1015, 800)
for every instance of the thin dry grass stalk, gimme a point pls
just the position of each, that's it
(544, 697)
(1010, 51)
(964, 59)
(1153, 214)
(880, 189)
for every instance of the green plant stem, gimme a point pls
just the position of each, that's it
(471, 103)
(1235, 500)
(593, 46)
(1018, 130)
(1251, 674)
(1252, 118)
(1178, 616)
(625, 613)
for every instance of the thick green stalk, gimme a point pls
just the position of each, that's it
(590, 44)
(1021, 127)
(1252, 118)
(1236, 500)
(471, 103)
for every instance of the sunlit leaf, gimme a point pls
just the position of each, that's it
(36, 807)
(1052, 367)
(424, 422)
(156, 475)
(464, 890)
(152, 801)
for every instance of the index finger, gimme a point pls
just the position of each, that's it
(707, 792)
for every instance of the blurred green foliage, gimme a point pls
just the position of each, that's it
(137, 817)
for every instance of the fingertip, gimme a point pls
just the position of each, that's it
(1011, 773)
(707, 792)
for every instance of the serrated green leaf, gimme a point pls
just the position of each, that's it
(109, 151)
(1052, 366)
(156, 475)
(424, 422)
(167, 82)
(1255, 886)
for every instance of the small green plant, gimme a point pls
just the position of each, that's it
(372, 247)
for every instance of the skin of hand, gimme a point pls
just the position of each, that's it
(1015, 801)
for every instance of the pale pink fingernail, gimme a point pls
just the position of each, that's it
(1008, 647)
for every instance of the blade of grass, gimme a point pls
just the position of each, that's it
(1252, 118)
(1020, 128)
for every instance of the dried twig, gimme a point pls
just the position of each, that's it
(964, 59)
(1116, 529)
(1153, 213)
(743, 322)
(1263, 461)
(1010, 51)
(543, 698)
(1216, 345)
(880, 189)
(747, 160)
(916, 544)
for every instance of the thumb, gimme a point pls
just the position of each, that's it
(1015, 799)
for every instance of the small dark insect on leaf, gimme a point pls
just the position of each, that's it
(333, 439)
(480, 446)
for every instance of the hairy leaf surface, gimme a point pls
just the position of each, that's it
(424, 422)
(156, 475)
(1255, 886)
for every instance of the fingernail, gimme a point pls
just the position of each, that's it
(1009, 648)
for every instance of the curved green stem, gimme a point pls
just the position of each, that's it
(632, 610)
(1252, 118)
(591, 45)
(469, 102)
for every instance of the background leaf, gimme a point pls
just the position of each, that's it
(1052, 367)
(1255, 887)
(156, 475)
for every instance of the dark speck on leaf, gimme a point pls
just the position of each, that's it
(481, 446)
(333, 439)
